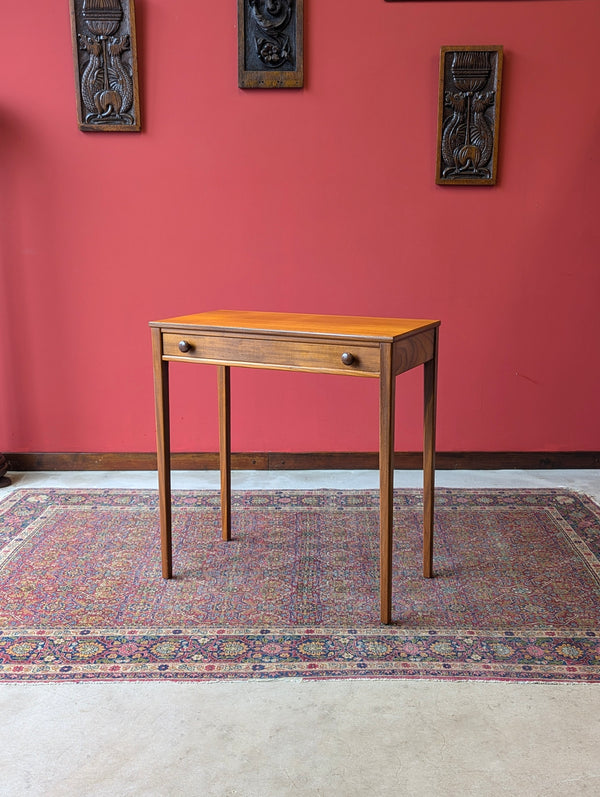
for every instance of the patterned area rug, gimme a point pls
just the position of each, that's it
(296, 592)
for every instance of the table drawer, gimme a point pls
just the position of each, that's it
(294, 355)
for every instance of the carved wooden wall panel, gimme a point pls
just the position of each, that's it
(469, 115)
(270, 44)
(105, 58)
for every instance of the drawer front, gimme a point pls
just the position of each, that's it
(283, 354)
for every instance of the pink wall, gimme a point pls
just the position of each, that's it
(316, 200)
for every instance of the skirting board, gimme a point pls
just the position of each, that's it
(350, 460)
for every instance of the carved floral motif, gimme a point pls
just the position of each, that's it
(107, 83)
(270, 44)
(469, 115)
(271, 18)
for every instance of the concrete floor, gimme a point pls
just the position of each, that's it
(289, 737)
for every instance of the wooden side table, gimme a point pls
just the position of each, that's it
(371, 347)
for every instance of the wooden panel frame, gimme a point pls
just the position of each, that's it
(106, 67)
(278, 38)
(469, 115)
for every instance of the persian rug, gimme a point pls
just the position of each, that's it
(295, 593)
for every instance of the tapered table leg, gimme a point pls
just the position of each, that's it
(163, 450)
(430, 396)
(386, 478)
(225, 448)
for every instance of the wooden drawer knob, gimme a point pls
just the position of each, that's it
(347, 358)
(184, 346)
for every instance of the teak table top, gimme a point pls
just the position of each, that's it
(301, 324)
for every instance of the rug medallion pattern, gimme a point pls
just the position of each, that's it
(296, 591)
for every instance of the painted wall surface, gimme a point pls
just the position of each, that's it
(316, 200)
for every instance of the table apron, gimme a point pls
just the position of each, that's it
(415, 350)
(299, 354)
